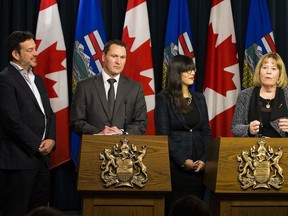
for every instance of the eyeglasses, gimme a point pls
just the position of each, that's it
(190, 71)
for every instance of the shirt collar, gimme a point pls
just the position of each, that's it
(19, 68)
(106, 77)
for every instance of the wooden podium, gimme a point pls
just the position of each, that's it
(100, 199)
(227, 197)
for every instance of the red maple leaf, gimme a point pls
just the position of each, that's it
(137, 61)
(215, 2)
(218, 58)
(49, 61)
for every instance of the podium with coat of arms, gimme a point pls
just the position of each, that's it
(248, 176)
(123, 175)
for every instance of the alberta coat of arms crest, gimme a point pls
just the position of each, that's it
(123, 165)
(260, 168)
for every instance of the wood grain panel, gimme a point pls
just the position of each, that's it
(101, 201)
(222, 165)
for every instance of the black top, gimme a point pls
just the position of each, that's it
(267, 130)
(193, 117)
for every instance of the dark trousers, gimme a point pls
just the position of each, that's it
(23, 190)
(184, 183)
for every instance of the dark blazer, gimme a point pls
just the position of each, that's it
(90, 112)
(181, 138)
(21, 121)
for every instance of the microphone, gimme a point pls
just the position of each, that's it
(259, 134)
(125, 118)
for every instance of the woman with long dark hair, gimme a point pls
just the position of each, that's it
(183, 116)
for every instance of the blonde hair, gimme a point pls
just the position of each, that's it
(282, 81)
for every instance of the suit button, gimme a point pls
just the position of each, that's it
(190, 130)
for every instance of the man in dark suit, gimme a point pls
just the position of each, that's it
(27, 130)
(91, 113)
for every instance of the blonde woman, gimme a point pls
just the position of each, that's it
(262, 110)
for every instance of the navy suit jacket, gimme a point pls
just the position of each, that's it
(22, 122)
(90, 112)
(182, 139)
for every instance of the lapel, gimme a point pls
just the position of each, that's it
(19, 78)
(39, 84)
(121, 92)
(181, 119)
(99, 85)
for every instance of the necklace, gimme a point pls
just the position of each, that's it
(189, 99)
(267, 94)
(268, 104)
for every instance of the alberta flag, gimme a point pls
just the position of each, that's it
(178, 34)
(87, 54)
(222, 78)
(259, 39)
(52, 67)
(139, 64)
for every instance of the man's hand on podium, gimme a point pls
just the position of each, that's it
(110, 131)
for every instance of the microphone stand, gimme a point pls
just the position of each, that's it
(125, 118)
(259, 134)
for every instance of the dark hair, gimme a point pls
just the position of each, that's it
(189, 206)
(178, 64)
(113, 41)
(14, 40)
(45, 211)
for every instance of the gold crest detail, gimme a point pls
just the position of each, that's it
(123, 165)
(260, 167)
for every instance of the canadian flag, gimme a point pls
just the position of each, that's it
(52, 67)
(139, 64)
(222, 79)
